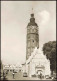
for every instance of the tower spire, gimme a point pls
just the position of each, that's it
(32, 36)
(32, 14)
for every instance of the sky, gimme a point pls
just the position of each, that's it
(15, 16)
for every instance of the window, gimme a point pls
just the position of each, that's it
(33, 40)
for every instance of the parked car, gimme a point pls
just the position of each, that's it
(34, 75)
(47, 76)
(1, 76)
(55, 79)
(50, 77)
(24, 74)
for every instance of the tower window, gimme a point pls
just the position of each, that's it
(33, 40)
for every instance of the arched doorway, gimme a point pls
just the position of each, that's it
(40, 71)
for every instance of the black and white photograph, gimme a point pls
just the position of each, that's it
(28, 40)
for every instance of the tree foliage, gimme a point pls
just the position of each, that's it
(49, 49)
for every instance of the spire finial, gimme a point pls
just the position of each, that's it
(32, 14)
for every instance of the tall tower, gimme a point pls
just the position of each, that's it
(32, 36)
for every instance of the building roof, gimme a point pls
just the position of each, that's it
(37, 54)
(32, 21)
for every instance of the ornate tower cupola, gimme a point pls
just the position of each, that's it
(32, 36)
(32, 19)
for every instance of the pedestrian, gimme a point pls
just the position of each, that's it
(40, 75)
(13, 75)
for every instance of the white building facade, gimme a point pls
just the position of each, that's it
(38, 64)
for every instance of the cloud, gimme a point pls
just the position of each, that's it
(44, 17)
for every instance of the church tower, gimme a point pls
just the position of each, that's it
(32, 36)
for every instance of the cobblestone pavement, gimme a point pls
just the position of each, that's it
(19, 76)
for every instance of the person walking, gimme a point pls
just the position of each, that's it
(13, 75)
(40, 75)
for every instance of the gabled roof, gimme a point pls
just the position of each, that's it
(37, 53)
(32, 55)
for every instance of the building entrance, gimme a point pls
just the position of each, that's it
(40, 71)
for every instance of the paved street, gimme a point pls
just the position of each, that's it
(19, 76)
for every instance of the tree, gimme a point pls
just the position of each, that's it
(1, 69)
(49, 49)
